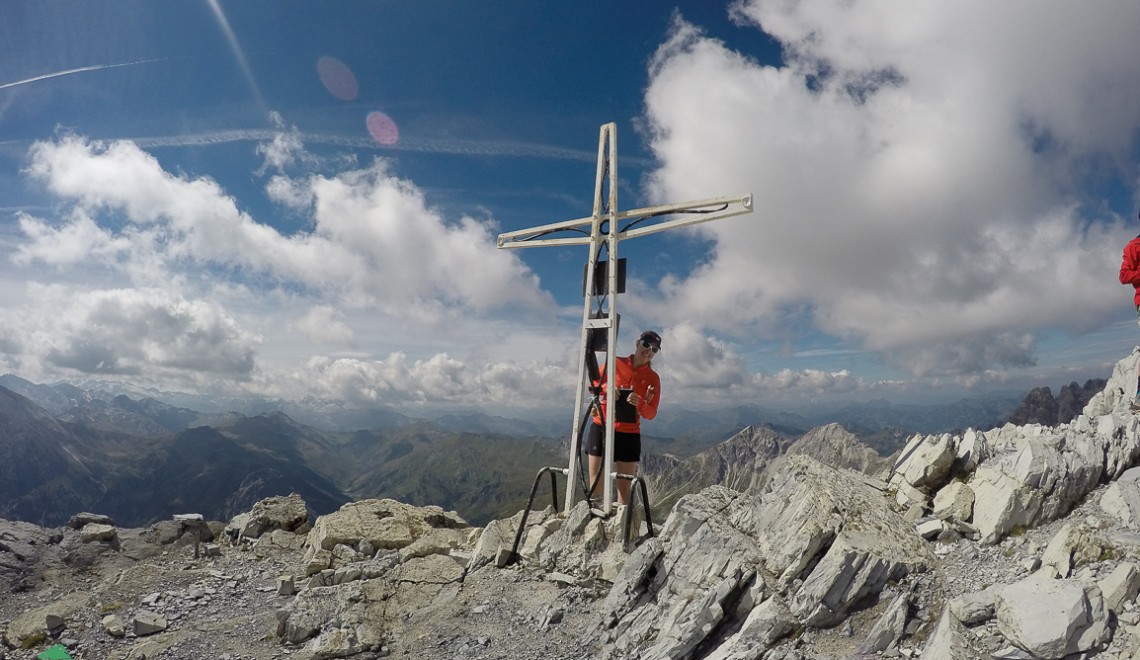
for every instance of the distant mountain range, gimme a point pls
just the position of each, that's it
(1041, 407)
(139, 459)
(677, 420)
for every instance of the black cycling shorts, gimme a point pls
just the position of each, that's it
(627, 446)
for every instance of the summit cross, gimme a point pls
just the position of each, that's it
(600, 230)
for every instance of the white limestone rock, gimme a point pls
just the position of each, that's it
(81, 520)
(930, 529)
(888, 629)
(580, 545)
(690, 627)
(1117, 437)
(973, 448)
(1072, 546)
(974, 608)
(907, 496)
(362, 609)
(1120, 586)
(93, 532)
(948, 641)
(341, 642)
(1118, 393)
(113, 625)
(766, 623)
(384, 523)
(633, 581)
(1052, 618)
(146, 622)
(926, 460)
(825, 538)
(276, 541)
(288, 513)
(955, 501)
(499, 534)
(1121, 499)
(539, 533)
(1041, 478)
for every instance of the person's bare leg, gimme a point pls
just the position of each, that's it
(595, 468)
(624, 467)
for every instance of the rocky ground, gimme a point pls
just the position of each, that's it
(225, 606)
(825, 564)
(967, 567)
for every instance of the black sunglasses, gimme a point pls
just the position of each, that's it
(652, 347)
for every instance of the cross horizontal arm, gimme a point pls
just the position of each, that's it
(532, 237)
(732, 206)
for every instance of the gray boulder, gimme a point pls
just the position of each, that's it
(1118, 393)
(24, 547)
(580, 544)
(373, 563)
(79, 520)
(926, 461)
(1121, 499)
(386, 525)
(949, 641)
(149, 623)
(1025, 476)
(1038, 474)
(40, 621)
(974, 608)
(93, 532)
(889, 628)
(288, 513)
(113, 625)
(821, 538)
(1052, 618)
(358, 613)
(1120, 586)
(1072, 546)
(955, 501)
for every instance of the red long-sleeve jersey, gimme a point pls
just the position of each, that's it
(1130, 267)
(638, 379)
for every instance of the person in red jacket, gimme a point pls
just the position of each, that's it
(639, 390)
(1130, 274)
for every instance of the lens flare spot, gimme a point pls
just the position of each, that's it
(337, 78)
(382, 128)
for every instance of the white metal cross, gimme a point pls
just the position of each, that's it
(603, 231)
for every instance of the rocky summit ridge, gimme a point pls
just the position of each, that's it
(1020, 542)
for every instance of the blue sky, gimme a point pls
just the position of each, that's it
(301, 199)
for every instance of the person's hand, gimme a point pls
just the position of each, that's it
(633, 399)
(650, 391)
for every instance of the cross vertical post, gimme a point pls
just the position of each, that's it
(605, 204)
(604, 231)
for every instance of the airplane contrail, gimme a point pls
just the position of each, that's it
(82, 69)
(423, 145)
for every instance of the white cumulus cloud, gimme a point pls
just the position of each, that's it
(159, 275)
(919, 173)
